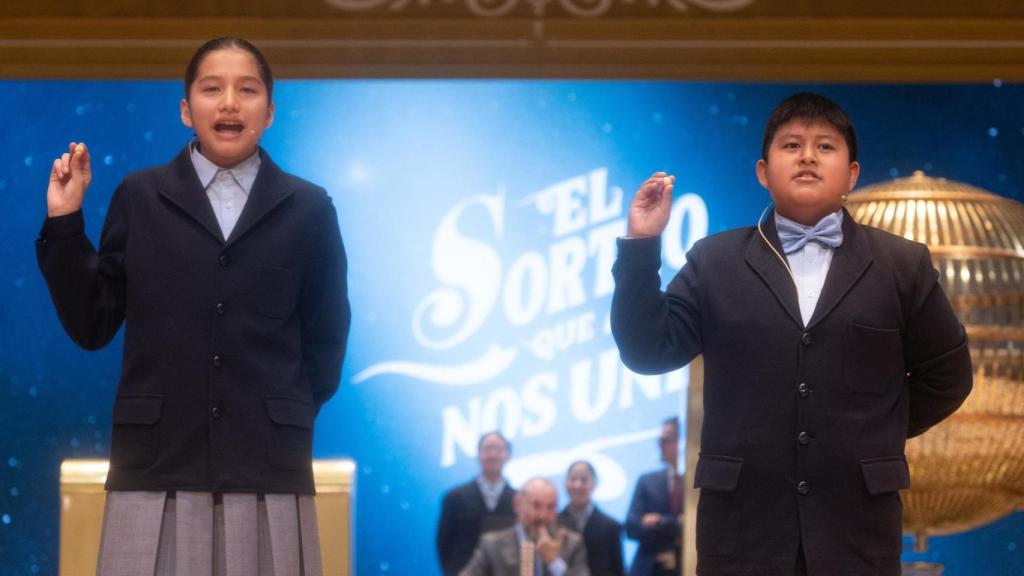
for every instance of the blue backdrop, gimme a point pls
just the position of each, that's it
(480, 220)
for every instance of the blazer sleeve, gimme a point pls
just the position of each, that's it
(939, 373)
(87, 286)
(615, 545)
(446, 528)
(656, 331)
(478, 565)
(325, 311)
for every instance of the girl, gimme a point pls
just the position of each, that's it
(229, 275)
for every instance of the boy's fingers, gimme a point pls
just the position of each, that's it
(80, 160)
(56, 172)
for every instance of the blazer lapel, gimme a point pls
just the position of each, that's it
(268, 191)
(508, 548)
(772, 271)
(849, 262)
(182, 188)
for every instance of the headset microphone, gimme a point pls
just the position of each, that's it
(765, 238)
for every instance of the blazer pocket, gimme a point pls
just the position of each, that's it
(272, 291)
(878, 526)
(291, 433)
(873, 359)
(885, 475)
(134, 440)
(717, 472)
(719, 506)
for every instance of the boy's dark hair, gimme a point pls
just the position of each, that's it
(225, 44)
(809, 107)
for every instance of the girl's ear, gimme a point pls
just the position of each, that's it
(270, 116)
(186, 114)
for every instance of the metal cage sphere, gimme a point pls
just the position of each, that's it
(969, 470)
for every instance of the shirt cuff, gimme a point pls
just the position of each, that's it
(62, 227)
(558, 567)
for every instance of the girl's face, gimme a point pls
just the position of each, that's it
(579, 484)
(227, 106)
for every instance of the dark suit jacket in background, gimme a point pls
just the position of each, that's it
(497, 554)
(651, 495)
(230, 347)
(804, 427)
(602, 536)
(464, 517)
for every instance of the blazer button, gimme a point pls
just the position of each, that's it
(803, 487)
(218, 360)
(216, 412)
(803, 389)
(806, 338)
(224, 261)
(803, 438)
(221, 308)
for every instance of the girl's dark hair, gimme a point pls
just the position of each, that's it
(226, 44)
(589, 466)
(809, 107)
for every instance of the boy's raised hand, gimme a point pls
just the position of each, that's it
(69, 177)
(652, 204)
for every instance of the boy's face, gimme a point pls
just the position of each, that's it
(808, 171)
(227, 107)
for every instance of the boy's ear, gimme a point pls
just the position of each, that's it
(854, 173)
(186, 114)
(761, 168)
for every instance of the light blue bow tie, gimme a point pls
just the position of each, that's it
(828, 232)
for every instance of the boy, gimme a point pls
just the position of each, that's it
(826, 345)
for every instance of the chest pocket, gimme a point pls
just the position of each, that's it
(271, 291)
(873, 360)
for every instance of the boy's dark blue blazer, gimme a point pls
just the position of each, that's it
(804, 426)
(231, 345)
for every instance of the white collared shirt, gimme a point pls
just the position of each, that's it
(810, 266)
(491, 491)
(581, 517)
(227, 188)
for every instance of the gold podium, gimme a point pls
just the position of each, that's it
(81, 514)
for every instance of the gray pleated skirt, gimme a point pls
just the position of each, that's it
(198, 534)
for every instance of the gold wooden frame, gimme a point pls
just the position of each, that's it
(738, 49)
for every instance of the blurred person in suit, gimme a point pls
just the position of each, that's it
(602, 535)
(655, 512)
(536, 545)
(483, 504)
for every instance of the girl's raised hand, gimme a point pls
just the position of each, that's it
(69, 177)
